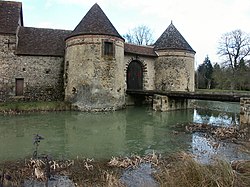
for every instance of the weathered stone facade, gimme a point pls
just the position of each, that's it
(41, 75)
(164, 103)
(245, 112)
(94, 81)
(174, 71)
(91, 66)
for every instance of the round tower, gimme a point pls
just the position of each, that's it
(174, 68)
(93, 76)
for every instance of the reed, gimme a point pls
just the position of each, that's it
(179, 170)
(184, 170)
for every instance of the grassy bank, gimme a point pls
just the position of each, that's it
(23, 107)
(222, 91)
(178, 170)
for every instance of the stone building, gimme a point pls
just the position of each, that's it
(91, 66)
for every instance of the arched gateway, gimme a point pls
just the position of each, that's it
(135, 76)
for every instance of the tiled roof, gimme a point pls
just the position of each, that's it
(172, 39)
(10, 13)
(140, 50)
(44, 42)
(95, 22)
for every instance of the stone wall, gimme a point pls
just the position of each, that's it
(245, 112)
(91, 81)
(174, 71)
(42, 76)
(94, 82)
(164, 103)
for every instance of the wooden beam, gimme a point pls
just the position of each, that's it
(213, 96)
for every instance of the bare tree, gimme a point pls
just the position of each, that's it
(140, 35)
(234, 46)
(129, 37)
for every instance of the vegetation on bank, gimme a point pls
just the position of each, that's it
(223, 77)
(222, 91)
(23, 107)
(173, 171)
(184, 170)
(177, 170)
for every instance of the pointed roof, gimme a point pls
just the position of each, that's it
(95, 22)
(10, 16)
(171, 38)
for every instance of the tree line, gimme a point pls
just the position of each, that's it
(234, 71)
(218, 76)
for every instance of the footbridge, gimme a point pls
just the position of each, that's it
(174, 100)
(213, 96)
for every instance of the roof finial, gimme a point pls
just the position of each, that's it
(171, 22)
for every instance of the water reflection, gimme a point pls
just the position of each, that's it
(217, 118)
(16, 134)
(206, 149)
(218, 114)
(95, 135)
(136, 130)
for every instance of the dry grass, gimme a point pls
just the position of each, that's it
(86, 172)
(16, 170)
(83, 172)
(220, 133)
(180, 170)
(184, 170)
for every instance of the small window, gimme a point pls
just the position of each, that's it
(108, 49)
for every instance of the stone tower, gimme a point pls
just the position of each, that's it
(174, 68)
(93, 74)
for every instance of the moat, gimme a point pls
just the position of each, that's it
(135, 130)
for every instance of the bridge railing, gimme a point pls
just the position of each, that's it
(213, 96)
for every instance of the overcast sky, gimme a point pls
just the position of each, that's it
(201, 22)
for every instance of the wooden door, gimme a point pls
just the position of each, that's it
(134, 76)
(19, 87)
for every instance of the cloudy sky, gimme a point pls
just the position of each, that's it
(201, 22)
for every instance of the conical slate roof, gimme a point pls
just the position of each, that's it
(171, 38)
(95, 22)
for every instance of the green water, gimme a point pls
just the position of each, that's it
(137, 130)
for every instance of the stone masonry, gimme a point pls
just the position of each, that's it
(164, 103)
(90, 66)
(245, 112)
(42, 75)
(94, 82)
(174, 71)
